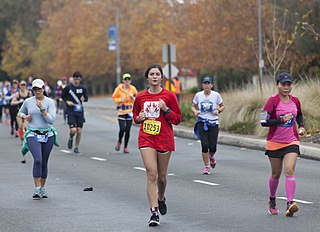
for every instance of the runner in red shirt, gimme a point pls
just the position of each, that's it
(156, 109)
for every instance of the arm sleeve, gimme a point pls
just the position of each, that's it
(64, 93)
(51, 113)
(85, 95)
(195, 100)
(136, 110)
(265, 119)
(23, 110)
(174, 117)
(219, 99)
(300, 120)
(115, 96)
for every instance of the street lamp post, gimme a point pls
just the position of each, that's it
(117, 14)
(118, 45)
(261, 63)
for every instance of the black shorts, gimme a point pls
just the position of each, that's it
(76, 120)
(283, 151)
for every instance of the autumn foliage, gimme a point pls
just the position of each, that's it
(209, 34)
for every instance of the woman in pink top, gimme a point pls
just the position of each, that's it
(281, 113)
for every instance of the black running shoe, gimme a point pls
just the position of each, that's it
(162, 206)
(70, 141)
(154, 220)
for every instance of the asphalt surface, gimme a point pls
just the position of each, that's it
(232, 198)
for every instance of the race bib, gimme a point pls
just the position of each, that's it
(41, 138)
(78, 108)
(151, 127)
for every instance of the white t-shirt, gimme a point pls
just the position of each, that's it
(207, 104)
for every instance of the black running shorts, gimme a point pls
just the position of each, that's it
(283, 151)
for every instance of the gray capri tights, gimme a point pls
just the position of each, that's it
(40, 153)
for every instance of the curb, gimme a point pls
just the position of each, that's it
(307, 152)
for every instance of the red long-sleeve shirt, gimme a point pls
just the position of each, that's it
(164, 141)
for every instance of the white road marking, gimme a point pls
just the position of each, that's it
(66, 151)
(296, 200)
(139, 168)
(99, 159)
(205, 182)
(190, 144)
(170, 174)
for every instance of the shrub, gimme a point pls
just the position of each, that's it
(188, 118)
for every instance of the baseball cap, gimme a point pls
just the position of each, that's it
(125, 76)
(37, 83)
(284, 77)
(23, 83)
(207, 79)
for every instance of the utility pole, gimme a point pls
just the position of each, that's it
(261, 63)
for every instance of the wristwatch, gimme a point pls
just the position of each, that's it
(167, 111)
(42, 110)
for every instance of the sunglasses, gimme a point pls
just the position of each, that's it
(36, 89)
(127, 79)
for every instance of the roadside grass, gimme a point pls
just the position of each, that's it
(243, 107)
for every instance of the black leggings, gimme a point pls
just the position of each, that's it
(13, 116)
(1, 110)
(124, 125)
(208, 138)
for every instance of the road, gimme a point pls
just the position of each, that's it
(232, 198)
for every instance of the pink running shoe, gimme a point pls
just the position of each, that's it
(126, 150)
(273, 207)
(212, 161)
(292, 208)
(117, 147)
(206, 170)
